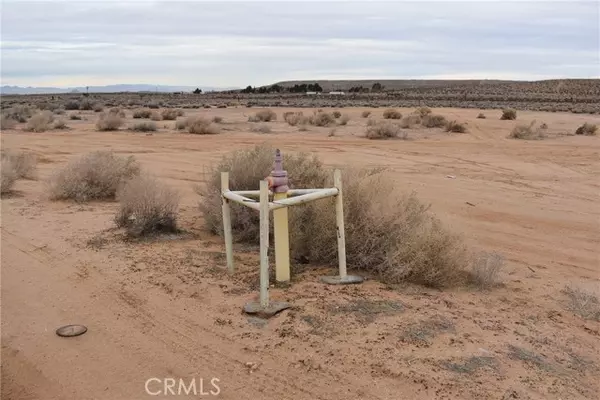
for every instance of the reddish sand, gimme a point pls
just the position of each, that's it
(166, 309)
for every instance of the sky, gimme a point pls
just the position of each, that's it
(235, 44)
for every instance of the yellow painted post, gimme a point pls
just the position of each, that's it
(282, 241)
(279, 184)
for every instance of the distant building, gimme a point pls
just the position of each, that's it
(337, 93)
(311, 93)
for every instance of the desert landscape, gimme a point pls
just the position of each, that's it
(518, 318)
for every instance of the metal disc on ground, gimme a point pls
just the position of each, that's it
(337, 280)
(71, 330)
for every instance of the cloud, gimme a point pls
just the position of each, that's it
(236, 44)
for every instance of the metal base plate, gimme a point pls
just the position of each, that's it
(273, 308)
(71, 330)
(337, 280)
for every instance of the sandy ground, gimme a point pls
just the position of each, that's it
(166, 308)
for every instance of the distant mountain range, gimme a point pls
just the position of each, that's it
(107, 89)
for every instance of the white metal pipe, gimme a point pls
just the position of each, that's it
(264, 244)
(242, 200)
(290, 193)
(227, 222)
(305, 198)
(339, 214)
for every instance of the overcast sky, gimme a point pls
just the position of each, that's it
(200, 43)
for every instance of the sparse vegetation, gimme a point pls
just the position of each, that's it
(75, 117)
(481, 116)
(263, 116)
(527, 132)
(109, 122)
(321, 118)
(392, 113)
(60, 124)
(261, 129)
(295, 118)
(19, 113)
(508, 114)
(344, 119)
(584, 300)
(410, 121)
(7, 122)
(146, 126)
(456, 127)
(433, 121)
(22, 163)
(155, 116)
(384, 130)
(93, 176)
(485, 269)
(142, 113)
(587, 129)
(423, 111)
(392, 236)
(8, 176)
(169, 114)
(365, 114)
(336, 114)
(98, 107)
(201, 126)
(40, 122)
(146, 207)
(217, 120)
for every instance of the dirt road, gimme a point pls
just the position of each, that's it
(166, 309)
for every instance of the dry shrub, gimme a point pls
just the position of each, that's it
(344, 119)
(20, 113)
(86, 105)
(207, 106)
(217, 120)
(423, 111)
(155, 116)
(180, 113)
(59, 111)
(96, 175)
(7, 122)
(146, 126)
(587, 129)
(486, 268)
(169, 114)
(60, 124)
(8, 176)
(481, 116)
(336, 114)
(331, 132)
(40, 122)
(263, 115)
(527, 132)
(295, 118)
(117, 111)
(392, 236)
(153, 105)
(365, 114)
(456, 127)
(508, 114)
(584, 300)
(385, 130)
(321, 118)
(246, 169)
(201, 126)
(222, 105)
(146, 206)
(261, 129)
(371, 122)
(98, 107)
(109, 122)
(392, 113)
(72, 105)
(303, 128)
(544, 125)
(181, 124)
(75, 117)
(142, 113)
(410, 121)
(22, 163)
(434, 121)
